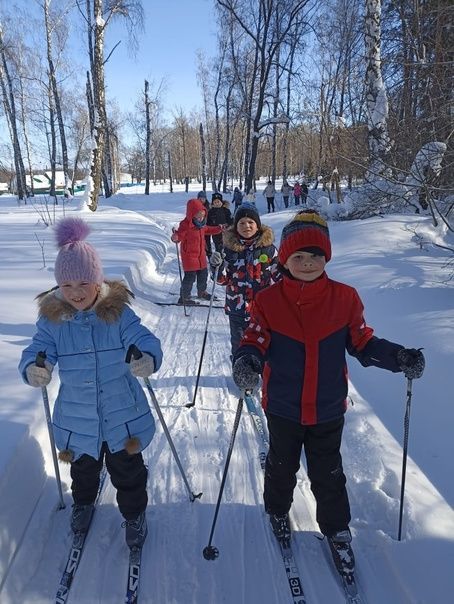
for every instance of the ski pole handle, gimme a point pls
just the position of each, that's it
(40, 358)
(133, 353)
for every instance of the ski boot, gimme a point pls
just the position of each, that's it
(136, 531)
(341, 550)
(281, 528)
(186, 302)
(81, 517)
(204, 296)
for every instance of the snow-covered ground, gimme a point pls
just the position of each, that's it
(408, 299)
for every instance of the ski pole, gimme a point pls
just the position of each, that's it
(40, 358)
(210, 552)
(404, 458)
(133, 351)
(189, 405)
(186, 314)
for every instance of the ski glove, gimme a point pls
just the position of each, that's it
(216, 259)
(412, 362)
(38, 377)
(246, 372)
(142, 367)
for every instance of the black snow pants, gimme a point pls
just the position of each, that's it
(324, 468)
(127, 473)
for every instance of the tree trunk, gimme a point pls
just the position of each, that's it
(99, 102)
(376, 97)
(10, 110)
(56, 98)
(147, 139)
(203, 157)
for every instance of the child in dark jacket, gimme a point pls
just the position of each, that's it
(86, 326)
(191, 233)
(299, 331)
(249, 265)
(218, 215)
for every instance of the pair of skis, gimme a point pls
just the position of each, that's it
(75, 554)
(295, 582)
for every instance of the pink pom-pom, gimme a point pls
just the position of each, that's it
(71, 230)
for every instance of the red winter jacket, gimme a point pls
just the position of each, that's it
(300, 331)
(193, 255)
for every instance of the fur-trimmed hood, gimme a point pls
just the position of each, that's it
(108, 306)
(233, 242)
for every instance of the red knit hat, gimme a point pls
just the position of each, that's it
(306, 229)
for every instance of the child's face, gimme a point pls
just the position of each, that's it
(80, 294)
(305, 266)
(246, 227)
(200, 215)
(216, 203)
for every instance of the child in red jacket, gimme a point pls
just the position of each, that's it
(191, 233)
(299, 331)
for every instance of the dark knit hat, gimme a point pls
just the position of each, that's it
(247, 210)
(306, 230)
(216, 196)
(201, 195)
(77, 260)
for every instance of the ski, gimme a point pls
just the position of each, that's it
(258, 424)
(347, 579)
(132, 588)
(75, 553)
(292, 572)
(188, 306)
(215, 299)
(288, 559)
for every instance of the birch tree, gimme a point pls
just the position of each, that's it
(376, 97)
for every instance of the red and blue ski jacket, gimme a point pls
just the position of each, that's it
(300, 331)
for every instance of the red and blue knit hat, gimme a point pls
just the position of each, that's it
(77, 260)
(306, 230)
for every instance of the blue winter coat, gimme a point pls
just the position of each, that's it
(99, 399)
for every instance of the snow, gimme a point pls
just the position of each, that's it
(408, 298)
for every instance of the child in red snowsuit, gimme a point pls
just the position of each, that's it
(191, 234)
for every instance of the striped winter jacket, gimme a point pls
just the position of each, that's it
(300, 331)
(98, 399)
(249, 266)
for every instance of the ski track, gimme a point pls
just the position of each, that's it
(201, 436)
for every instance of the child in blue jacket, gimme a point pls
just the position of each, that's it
(101, 413)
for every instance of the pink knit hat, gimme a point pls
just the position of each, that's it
(76, 260)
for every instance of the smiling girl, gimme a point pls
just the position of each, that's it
(101, 414)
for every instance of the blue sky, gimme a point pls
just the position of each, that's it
(174, 31)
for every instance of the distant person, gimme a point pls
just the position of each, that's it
(304, 192)
(297, 193)
(249, 265)
(237, 198)
(286, 191)
(270, 192)
(101, 414)
(191, 234)
(218, 215)
(299, 331)
(203, 198)
(250, 197)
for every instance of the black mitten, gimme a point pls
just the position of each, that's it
(412, 362)
(246, 372)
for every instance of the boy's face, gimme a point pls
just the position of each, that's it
(200, 215)
(247, 227)
(305, 266)
(80, 294)
(216, 203)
